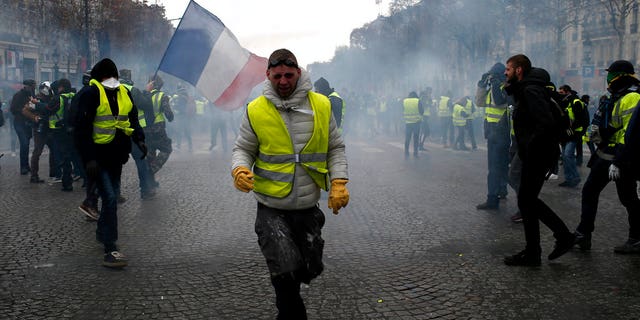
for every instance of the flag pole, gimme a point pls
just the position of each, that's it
(173, 35)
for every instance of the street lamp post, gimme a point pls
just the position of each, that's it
(588, 69)
(56, 58)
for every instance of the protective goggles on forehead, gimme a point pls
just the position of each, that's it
(287, 62)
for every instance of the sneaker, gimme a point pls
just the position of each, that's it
(53, 180)
(148, 195)
(582, 240)
(523, 259)
(114, 259)
(562, 246)
(90, 212)
(486, 206)
(517, 217)
(553, 176)
(36, 179)
(631, 246)
(121, 199)
(25, 171)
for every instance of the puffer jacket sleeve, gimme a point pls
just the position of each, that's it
(336, 158)
(245, 149)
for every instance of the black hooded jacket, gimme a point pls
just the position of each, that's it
(116, 152)
(533, 121)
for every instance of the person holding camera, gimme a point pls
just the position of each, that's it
(36, 111)
(491, 95)
(21, 123)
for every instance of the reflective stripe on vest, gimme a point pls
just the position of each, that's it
(443, 107)
(335, 94)
(141, 118)
(156, 100)
(275, 165)
(493, 113)
(411, 110)
(572, 115)
(105, 123)
(621, 114)
(458, 119)
(59, 115)
(467, 109)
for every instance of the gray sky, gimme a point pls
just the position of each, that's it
(310, 31)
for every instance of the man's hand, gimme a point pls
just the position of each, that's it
(338, 195)
(614, 172)
(143, 149)
(242, 178)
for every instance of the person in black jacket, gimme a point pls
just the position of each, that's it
(21, 124)
(106, 123)
(538, 149)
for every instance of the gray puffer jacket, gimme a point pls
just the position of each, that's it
(297, 115)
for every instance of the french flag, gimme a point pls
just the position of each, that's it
(204, 53)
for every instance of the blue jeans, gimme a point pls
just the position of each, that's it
(24, 132)
(498, 166)
(571, 174)
(144, 172)
(109, 188)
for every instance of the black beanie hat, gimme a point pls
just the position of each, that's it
(104, 69)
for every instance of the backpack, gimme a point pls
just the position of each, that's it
(562, 123)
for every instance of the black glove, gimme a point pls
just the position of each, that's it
(92, 169)
(143, 148)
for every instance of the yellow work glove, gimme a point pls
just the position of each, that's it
(338, 195)
(242, 178)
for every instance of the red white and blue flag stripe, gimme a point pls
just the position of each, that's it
(204, 53)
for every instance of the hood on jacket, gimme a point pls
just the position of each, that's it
(322, 86)
(497, 68)
(104, 69)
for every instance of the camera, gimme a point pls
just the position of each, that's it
(41, 125)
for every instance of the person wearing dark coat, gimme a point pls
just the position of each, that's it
(538, 149)
(106, 123)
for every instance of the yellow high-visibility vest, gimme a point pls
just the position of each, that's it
(105, 123)
(493, 113)
(156, 100)
(621, 114)
(411, 111)
(275, 164)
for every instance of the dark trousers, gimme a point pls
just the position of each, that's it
(24, 133)
(63, 149)
(596, 181)
(412, 130)
(218, 125)
(446, 125)
(459, 143)
(109, 188)
(288, 300)
(535, 165)
(498, 166)
(472, 135)
(40, 139)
